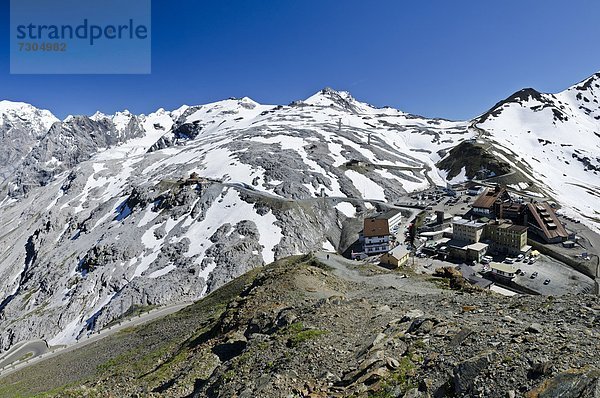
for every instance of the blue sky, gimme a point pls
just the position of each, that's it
(451, 59)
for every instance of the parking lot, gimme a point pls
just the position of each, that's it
(456, 206)
(563, 279)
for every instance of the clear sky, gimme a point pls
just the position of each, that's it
(441, 58)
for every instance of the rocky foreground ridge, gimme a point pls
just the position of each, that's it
(309, 326)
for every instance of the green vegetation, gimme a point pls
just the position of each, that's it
(25, 357)
(27, 297)
(440, 282)
(399, 381)
(420, 219)
(298, 334)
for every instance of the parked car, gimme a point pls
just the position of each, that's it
(534, 275)
(547, 282)
(520, 257)
(532, 260)
(509, 260)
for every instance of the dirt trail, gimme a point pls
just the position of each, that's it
(351, 271)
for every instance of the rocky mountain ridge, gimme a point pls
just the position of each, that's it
(317, 326)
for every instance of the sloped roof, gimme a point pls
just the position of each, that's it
(545, 218)
(488, 197)
(376, 227)
(509, 269)
(399, 252)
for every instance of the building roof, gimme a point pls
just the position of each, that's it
(386, 215)
(507, 268)
(520, 229)
(431, 233)
(468, 223)
(376, 227)
(399, 252)
(462, 245)
(480, 282)
(545, 218)
(509, 226)
(477, 246)
(465, 271)
(488, 197)
(470, 275)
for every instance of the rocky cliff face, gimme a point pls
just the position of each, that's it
(21, 127)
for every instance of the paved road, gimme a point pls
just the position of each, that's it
(590, 239)
(30, 350)
(40, 353)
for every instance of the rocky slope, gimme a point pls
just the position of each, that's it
(318, 327)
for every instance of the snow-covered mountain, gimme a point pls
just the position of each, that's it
(21, 127)
(99, 214)
(554, 141)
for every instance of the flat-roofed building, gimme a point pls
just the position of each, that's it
(393, 217)
(506, 237)
(465, 251)
(505, 271)
(471, 276)
(467, 231)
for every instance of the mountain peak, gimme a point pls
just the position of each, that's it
(10, 110)
(330, 94)
(589, 83)
(334, 98)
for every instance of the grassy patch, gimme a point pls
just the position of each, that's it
(402, 379)
(28, 295)
(25, 357)
(298, 334)
(317, 264)
(442, 283)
